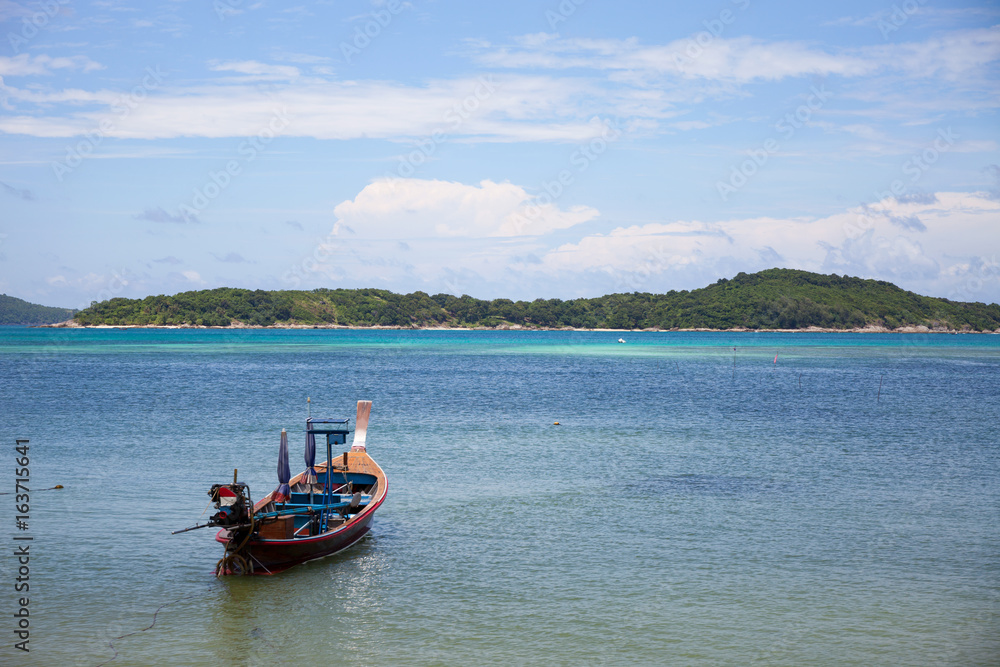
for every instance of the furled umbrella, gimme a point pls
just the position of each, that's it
(311, 476)
(283, 494)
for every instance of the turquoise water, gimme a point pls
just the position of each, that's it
(695, 506)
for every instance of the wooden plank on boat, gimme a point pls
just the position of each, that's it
(361, 425)
(280, 528)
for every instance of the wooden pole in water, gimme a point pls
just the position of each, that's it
(734, 363)
(800, 380)
(878, 398)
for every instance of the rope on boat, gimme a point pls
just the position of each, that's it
(204, 510)
(254, 559)
(233, 562)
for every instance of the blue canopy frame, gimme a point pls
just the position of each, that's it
(336, 431)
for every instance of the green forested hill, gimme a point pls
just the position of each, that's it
(19, 311)
(772, 299)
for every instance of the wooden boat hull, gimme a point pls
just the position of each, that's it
(273, 556)
(270, 556)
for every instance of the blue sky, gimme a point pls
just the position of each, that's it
(516, 149)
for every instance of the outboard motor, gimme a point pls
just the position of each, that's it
(233, 504)
(235, 514)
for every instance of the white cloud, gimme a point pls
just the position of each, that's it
(416, 208)
(691, 125)
(26, 65)
(917, 243)
(920, 243)
(641, 85)
(302, 58)
(740, 59)
(951, 55)
(512, 109)
(257, 69)
(745, 59)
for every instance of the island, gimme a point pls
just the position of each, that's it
(19, 311)
(774, 299)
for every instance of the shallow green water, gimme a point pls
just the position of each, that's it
(696, 505)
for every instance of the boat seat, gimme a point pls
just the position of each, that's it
(303, 498)
(304, 488)
(299, 501)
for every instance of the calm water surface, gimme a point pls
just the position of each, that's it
(696, 506)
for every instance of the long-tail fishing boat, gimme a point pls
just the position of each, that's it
(322, 510)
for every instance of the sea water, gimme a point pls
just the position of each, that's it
(699, 503)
